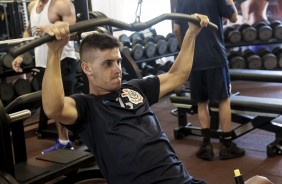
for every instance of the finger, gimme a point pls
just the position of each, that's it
(17, 68)
(203, 19)
(56, 30)
(49, 31)
(63, 29)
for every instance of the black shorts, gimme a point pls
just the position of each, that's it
(68, 69)
(210, 85)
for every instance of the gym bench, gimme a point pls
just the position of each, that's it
(256, 75)
(15, 167)
(249, 112)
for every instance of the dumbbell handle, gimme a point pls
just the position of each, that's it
(88, 24)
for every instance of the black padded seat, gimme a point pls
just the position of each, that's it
(248, 103)
(27, 101)
(256, 75)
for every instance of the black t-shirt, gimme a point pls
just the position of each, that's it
(125, 136)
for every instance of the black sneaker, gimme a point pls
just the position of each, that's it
(205, 152)
(231, 152)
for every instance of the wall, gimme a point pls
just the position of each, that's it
(124, 10)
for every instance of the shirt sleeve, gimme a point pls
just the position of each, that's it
(226, 9)
(81, 108)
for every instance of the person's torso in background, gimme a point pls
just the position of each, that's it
(40, 52)
(210, 49)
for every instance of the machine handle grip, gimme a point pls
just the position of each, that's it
(86, 25)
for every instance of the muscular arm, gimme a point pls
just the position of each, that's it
(56, 105)
(64, 10)
(180, 70)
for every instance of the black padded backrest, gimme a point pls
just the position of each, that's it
(238, 102)
(256, 75)
(259, 104)
(28, 101)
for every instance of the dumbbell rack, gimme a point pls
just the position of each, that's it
(156, 57)
(256, 42)
(147, 47)
(274, 40)
(11, 88)
(4, 48)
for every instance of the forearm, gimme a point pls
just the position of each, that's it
(26, 34)
(52, 86)
(184, 61)
(181, 68)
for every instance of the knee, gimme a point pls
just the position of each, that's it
(258, 180)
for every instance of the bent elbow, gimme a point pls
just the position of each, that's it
(51, 114)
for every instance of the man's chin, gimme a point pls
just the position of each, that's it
(116, 84)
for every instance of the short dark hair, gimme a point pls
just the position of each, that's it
(99, 41)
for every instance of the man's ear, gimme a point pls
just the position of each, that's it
(86, 69)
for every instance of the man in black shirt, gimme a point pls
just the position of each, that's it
(115, 120)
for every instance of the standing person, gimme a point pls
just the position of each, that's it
(43, 13)
(115, 120)
(210, 80)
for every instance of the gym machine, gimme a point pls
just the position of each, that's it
(15, 167)
(256, 75)
(86, 25)
(250, 112)
(44, 168)
(15, 15)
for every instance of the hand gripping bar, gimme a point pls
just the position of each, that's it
(88, 24)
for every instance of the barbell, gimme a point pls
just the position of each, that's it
(86, 25)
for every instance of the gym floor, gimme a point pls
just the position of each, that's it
(255, 162)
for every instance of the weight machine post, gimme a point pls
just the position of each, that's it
(6, 153)
(81, 8)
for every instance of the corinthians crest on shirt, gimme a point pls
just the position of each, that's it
(133, 96)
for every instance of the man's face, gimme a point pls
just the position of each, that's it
(105, 71)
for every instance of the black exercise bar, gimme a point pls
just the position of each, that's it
(88, 24)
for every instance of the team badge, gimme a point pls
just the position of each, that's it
(133, 96)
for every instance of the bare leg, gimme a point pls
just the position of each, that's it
(203, 114)
(258, 180)
(225, 115)
(228, 149)
(62, 142)
(62, 132)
